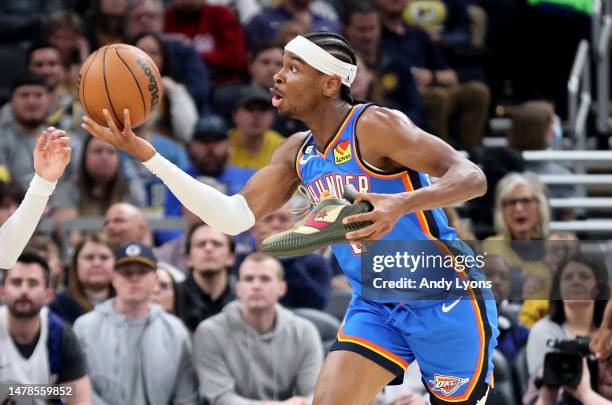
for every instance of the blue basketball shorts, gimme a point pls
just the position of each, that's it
(451, 340)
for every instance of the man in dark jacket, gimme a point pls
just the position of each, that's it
(208, 287)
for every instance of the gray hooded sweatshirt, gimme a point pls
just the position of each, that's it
(132, 361)
(238, 366)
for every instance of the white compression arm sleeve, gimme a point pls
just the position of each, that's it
(228, 214)
(18, 229)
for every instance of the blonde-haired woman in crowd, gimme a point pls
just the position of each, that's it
(522, 215)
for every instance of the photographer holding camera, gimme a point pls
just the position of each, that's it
(558, 345)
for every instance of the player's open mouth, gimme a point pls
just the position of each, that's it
(277, 97)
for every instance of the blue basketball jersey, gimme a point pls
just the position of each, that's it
(340, 164)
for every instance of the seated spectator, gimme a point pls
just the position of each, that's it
(252, 139)
(535, 126)
(89, 278)
(105, 22)
(167, 294)
(215, 33)
(65, 31)
(439, 85)
(147, 16)
(264, 27)
(560, 246)
(65, 109)
(47, 248)
(98, 184)
(136, 352)
(154, 188)
(177, 113)
(124, 223)
(512, 334)
(308, 277)
(208, 287)
(394, 82)
(29, 104)
(577, 303)
(61, 109)
(238, 350)
(521, 216)
(36, 346)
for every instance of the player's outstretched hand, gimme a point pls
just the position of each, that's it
(52, 154)
(124, 139)
(387, 211)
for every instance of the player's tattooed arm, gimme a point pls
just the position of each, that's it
(398, 143)
(273, 185)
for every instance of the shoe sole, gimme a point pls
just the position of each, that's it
(298, 244)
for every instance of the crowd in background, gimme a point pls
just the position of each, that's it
(191, 315)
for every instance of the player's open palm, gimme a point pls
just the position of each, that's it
(387, 211)
(123, 139)
(52, 154)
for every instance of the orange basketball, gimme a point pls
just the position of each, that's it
(116, 77)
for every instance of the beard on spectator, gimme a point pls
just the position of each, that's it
(28, 313)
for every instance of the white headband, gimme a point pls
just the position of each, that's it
(322, 60)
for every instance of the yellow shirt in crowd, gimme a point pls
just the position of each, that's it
(241, 157)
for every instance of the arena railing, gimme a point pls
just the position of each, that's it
(579, 85)
(601, 29)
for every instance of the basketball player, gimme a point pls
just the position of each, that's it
(51, 156)
(388, 159)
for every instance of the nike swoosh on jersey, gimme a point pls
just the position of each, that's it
(305, 159)
(446, 308)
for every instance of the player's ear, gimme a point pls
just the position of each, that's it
(331, 85)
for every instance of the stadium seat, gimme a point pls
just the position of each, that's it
(338, 302)
(503, 393)
(521, 373)
(326, 324)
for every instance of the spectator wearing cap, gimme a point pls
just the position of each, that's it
(137, 353)
(252, 140)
